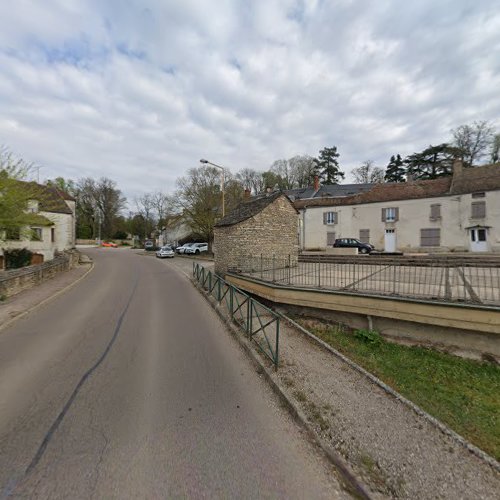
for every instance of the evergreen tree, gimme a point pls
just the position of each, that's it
(395, 171)
(327, 165)
(432, 162)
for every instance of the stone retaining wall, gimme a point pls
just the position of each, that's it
(17, 280)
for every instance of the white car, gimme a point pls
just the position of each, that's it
(197, 248)
(165, 252)
(183, 248)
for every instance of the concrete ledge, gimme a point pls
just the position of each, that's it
(465, 327)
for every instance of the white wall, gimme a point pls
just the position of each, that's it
(413, 216)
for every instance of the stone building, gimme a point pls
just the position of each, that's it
(263, 225)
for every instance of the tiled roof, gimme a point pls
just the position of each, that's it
(327, 190)
(470, 180)
(250, 208)
(49, 199)
(486, 178)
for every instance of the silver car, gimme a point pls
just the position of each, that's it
(164, 252)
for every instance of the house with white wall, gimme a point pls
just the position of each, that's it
(459, 213)
(52, 227)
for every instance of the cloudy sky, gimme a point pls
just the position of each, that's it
(140, 90)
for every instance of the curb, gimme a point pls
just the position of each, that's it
(351, 481)
(389, 390)
(48, 299)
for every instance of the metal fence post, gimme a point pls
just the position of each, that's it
(218, 290)
(276, 357)
(319, 271)
(274, 268)
(231, 298)
(249, 316)
(289, 267)
(261, 275)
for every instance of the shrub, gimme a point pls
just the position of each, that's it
(368, 336)
(17, 258)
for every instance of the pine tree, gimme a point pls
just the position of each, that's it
(395, 171)
(327, 165)
(432, 162)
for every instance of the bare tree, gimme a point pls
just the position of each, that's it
(283, 170)
(304, 170)
(145, 208)
(163, 205)
(368, 173)
(473, 141)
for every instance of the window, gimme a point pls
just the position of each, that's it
(36, 234)
(390, 214)
(430, 237)
(52, 235)
(435, 212)
(364, 235)
(33, 206)
(330, 239)
(478, 209)
(478, 235)
(329, 217)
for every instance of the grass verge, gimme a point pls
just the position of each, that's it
(463, 394)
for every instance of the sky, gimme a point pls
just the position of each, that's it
(140, 90)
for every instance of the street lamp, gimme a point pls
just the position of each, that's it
(222, 179)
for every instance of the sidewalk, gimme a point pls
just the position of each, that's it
(25, 301)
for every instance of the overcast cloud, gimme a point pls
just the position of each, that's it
(139, 91)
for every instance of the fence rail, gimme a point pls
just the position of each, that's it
(258, 322)
(445, 281)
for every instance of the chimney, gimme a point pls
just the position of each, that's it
(247, 194)
(458, 167)
(316, 183)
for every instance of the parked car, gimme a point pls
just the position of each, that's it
(353, 243)
(182, 248)
(197, 248)
(149, 245)
(109, 244)
(164, 252)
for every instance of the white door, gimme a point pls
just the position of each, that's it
(478, 240)
(390, 240)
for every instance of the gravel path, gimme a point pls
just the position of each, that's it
(398, 453)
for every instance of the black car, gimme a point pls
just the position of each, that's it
(353, 243)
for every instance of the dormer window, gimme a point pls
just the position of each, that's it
(33, 206)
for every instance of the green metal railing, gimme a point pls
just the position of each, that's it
(258, 322)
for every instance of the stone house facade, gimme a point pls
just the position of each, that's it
(263, 225)
(53, 226)
(460, 213)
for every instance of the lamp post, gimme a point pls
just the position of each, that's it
(222, 180)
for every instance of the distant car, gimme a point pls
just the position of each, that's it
(164, 252)
(149, 245)
(109, 244)
(182, 248)
(197, 248)
(353, 243)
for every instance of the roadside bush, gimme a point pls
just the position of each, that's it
(16, 258)
(368, 336)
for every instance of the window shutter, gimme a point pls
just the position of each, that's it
(383, 215)
(478, 209)
(430, 237)
(435, 211)
(325, 216)
(335, 217)
(364, 235)
(396, 216)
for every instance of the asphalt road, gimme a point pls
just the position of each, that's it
(128, 386)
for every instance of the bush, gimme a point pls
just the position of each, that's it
(14, 259)
(368, 336)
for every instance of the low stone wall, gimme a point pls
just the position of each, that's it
(17, 280)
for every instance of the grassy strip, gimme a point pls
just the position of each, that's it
(463, 394)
